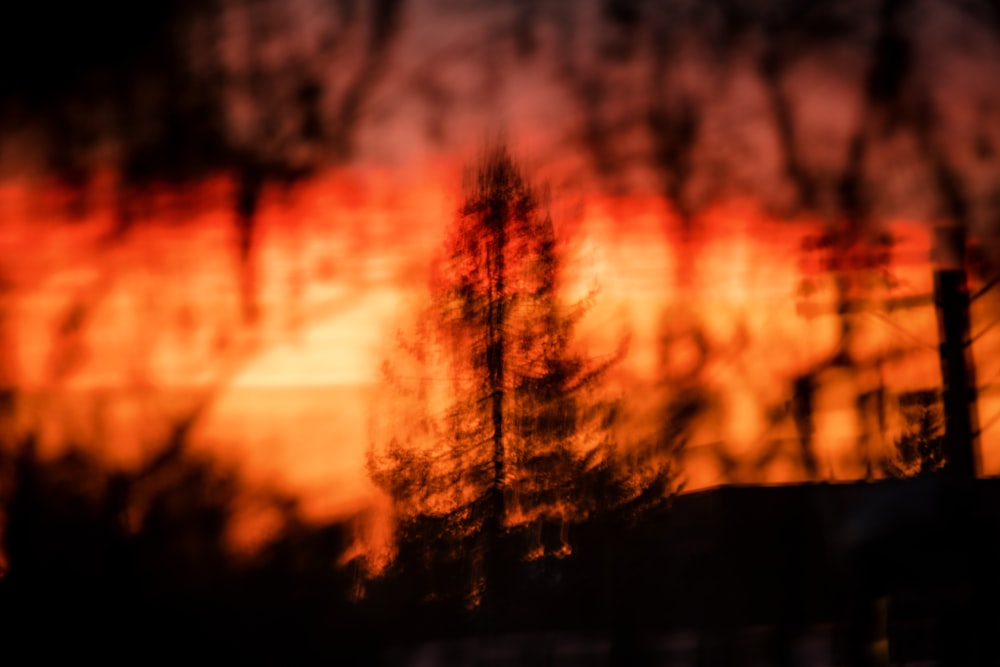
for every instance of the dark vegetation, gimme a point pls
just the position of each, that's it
(136, 566)
(125, 567)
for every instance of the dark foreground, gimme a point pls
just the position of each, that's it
(895, 572)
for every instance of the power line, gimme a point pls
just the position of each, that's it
(990, 422)
(982, 332)
(990, 284)
(901, 330)
(989, 382)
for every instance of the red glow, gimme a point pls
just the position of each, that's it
(110, 340)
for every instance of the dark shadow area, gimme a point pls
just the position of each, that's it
(135, 567)
(867, 573)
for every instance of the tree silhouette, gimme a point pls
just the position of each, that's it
(920, 447)
(153, 545)
(524, 441)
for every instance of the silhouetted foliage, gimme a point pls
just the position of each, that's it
(138, 566)
(919, 449)
(524, 440)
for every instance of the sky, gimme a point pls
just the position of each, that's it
(227, 211)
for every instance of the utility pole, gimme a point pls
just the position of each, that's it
(958, 376)
(962, 631)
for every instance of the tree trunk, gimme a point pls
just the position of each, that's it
(495, 365)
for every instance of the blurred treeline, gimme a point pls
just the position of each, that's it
(139, 566)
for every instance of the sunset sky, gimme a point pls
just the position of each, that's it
(686, 154)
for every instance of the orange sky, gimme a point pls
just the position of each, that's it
(110, 341)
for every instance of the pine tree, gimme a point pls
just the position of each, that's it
(523, 439)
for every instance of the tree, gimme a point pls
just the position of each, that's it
(920, 447)
(523, 439)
